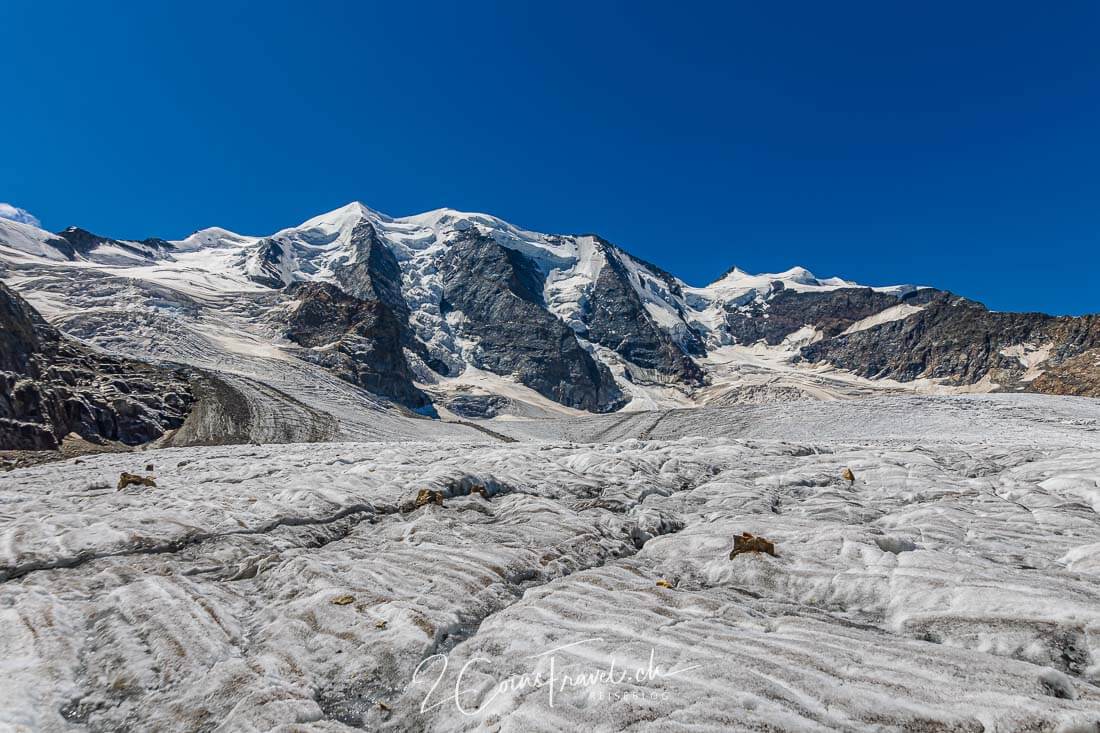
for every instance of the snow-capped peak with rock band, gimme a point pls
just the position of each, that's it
(467, 305)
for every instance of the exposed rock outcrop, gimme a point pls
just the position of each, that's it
(961, 342)
(358, 340)
(1078, 375)
(617, 319)
(373, 272)
(51, 386)
(783, 311)
(493, 295)
(266, 266)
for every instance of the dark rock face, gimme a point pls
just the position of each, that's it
(952, 339)
(22, 332)
(367, 337)
(617, 319)
(374, 274)
(51, 386)
(269, 255)
(956, 340)
(369, 272)
(658, 280)
(499, 293)
(782, 312)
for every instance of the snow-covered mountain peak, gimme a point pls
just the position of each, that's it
(324, 229)
(574, 318)
(640, 322)
(212, 238)
(444, 225)
(445, 218)
(798, 275)
(736, 278)
(341, 219)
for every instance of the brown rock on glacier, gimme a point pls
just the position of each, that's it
(747, 542)
(133, 479)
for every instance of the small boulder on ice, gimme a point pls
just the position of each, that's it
(132, 479)
(427, 496)
(750, 543)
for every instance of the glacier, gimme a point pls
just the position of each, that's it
(575, 574)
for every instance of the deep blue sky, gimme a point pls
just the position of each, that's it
(953, 144)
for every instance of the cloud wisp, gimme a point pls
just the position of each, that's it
(8, 211)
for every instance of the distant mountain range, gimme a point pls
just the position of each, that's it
(466, 315)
